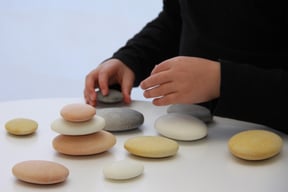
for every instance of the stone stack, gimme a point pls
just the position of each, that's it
(81, 131)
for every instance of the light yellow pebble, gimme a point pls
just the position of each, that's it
(21, 126)
(255, 144)
(151, 146)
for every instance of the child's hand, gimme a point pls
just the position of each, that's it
(183, 80)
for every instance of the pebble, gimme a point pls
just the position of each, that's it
(84, 145)
(114, 96)
(121, 119)
(151, 146)
(197, 111)
(64, 127)
(40, 172)
(123, 170)
(255, 144)
(77, 112)
(180, 127)
(21, 126)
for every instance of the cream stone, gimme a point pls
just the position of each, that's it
(255, 144)
(64, 127)
(21, 126)
(84, 145)
(114, 96)
(78, 112)
(40, 172)
(180, 127)
(122, 170)
(151, 146)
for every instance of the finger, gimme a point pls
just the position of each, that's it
(103, 82)
(159, 91)
(161, 67)
(165, 100)
(90, 85)
(155, 80)
(126, 88)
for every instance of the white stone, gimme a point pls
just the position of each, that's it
(122, 170)
(181, 127)
(64, 127)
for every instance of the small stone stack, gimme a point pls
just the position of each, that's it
(81, 131)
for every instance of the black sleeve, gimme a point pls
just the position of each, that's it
(254, 94)
(157, 41)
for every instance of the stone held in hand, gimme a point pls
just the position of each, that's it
(114, 96)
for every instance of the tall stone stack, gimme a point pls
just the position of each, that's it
(81, 131)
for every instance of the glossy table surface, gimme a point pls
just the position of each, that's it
(202, 166)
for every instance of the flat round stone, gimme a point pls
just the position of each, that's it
(84, 145)
(64, 127)
(77, 112)
(123, 170)
(21, 126)
(180, 127)
(114, 96)
(40, 172)
(121, 119)
(194, 110)
(255, 144)
(151, 146)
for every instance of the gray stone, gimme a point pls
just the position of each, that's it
(121, 119)
(194, 110)
(114, 96)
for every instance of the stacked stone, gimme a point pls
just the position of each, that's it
(81, 131)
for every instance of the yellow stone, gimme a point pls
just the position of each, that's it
(21, 126)
(151, 146)
(255, 144)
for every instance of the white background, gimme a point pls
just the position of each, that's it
(48, 46)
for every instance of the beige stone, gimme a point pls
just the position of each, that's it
(77, 112)
(40, 172)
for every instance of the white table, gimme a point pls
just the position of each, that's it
(203, 166)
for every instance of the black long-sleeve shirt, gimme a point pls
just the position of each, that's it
(248, 37)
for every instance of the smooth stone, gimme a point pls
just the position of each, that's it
(151, 146)
(123, 170)
(180, 127)
(197, 111)
(84, 145)
(121, 119)
(64, 127)
(255, 144)
(114, 96)
(40, 172)
(21, 126)
(77, 112)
